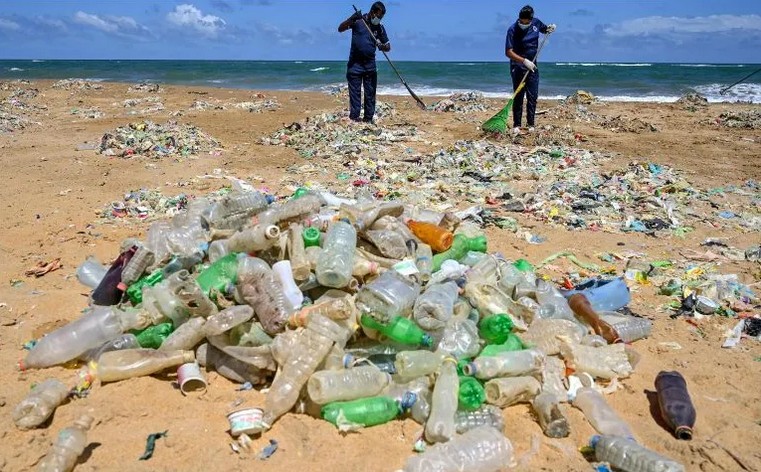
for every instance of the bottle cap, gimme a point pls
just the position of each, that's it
(408, 399)
(469, 369)
(311, 236)
(426, 341)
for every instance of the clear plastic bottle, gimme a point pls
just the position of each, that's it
(605, 362)
(255, 239)
(336, 260)
(506, 364)
(460, 339)
(297, 253)
(389, 243)
(603, 295)
(291, 210)
(413, 364)
(177, 298)
(389, 295)
(363, 267)
(627, 456)
(334, 307)
(629, 328)
(507, 391)
(70, 444)
(599, 414)
(393, 224)
(259, 288)
(125, 341)
(41, 402)
(440, 426)
(294, 373)
(217, 250)
(366, 218)
(543, 334)
(235, 209)
(553, 374)
(486, 415)
(227, 319)
(547, 295)
(328, 386)
(434, 307)
(186, 336)
(137, 266)
(491, 300)
(228, 366)
(284, 274)
(94, 328)
(424, 261)
(551, 418)
(91, 272)
(483, 449)
(119, 365)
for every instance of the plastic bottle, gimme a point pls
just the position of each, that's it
(229, 367)
(297, 253)
(363, 267)
(413, 364)
(284, 275)
(365, 219)
(627, 456)
(125, 341)
(440, 425)
(675, 403)
(543, 334)
(41, 402)
(255, 239)
(217, 250)
(399, 329)
(495, 329)
(629, 328)
(294, 373)
(553, 376)
(461, 244)
(107, 292)
(220, 275)
(384, 362)
(363, 412)
(291, 210)
(605, 362)
(91, 272)
(235, 209)
(135, 290)
(483, 449)
(329, 386)
(70, 444)
(259, 289)
(491, 300)
(553, 422)
(119, 365)
(177, 298)
(603, 295)
(434, 307)
(460, 339)
(136, 266)
(438, 238)
(507, 391)
(471, 394)
(599, 414)
(547, 294)
(227, 319)
(186, 336)
(68, 342)
(389, 243)
(512, 343)
(486, 415)
(424, 260)
(335, 308)
(389, 295)
(336, 260)
(504, 364)
(153, 336)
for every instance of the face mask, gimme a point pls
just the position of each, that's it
(375, 21)
(523, 27)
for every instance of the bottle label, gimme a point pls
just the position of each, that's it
(406, 267)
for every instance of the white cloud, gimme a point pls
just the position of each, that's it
(117, 25)
(662, 25)
(9, 25)
(188, 16)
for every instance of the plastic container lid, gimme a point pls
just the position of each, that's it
(311, 236)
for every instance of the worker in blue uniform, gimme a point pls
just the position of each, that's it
(361, 71)
(521, 45)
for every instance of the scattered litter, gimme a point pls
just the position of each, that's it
(43, 268)
(144, 87)
(150, 444)
(152, 140)
(750, 119)
(79, 84)
(268, 450)
(461, 102)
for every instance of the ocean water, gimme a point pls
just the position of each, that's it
(646, 82)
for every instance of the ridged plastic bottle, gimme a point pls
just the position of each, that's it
(399, 329)
(389, 243)
(227, 319)
(460, 339)
(483, 449)
(507, 391)
(434, 307)
(543, 334)
(125, 341)
(137, 266)
(70, 444)
(229, 367)
(599, 414)
(186, 336)
(605, 362)
(329, 386)
(628, 456)
(506, 364)
(629, 328)
(91, 272)
(413, 364)
(297, 253)
(389, 295)
(119, 365)
(486, 415)
(68, 342)
(235, 209)
(440, 425)
(302, 362)
(336, 260)
(675, 403)
(364, 411)
(424, 261)
(259, 288)
(41, 402)
(553, 422)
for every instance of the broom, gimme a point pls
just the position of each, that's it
(498, 122)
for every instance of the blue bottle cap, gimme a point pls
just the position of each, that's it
(427, 341)
(408, 399)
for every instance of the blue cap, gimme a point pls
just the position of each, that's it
(427, 340)
(408, 399)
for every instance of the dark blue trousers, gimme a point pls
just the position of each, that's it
(361, 76)
(530, 91)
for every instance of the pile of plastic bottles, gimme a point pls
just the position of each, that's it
(359, 312)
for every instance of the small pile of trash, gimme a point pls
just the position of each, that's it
(10, 122)
(203, 105)
(145, 204)
(258, 106)
(78, 84)
(619, 124)
(154, 104)
(24, 93)
(144, 87)
(369, 311)
(750, 119)
(14, 84)
(337, 90)
(88, 113)
(692, 101)
(575, 107)
(580, 97)
(461, 102)
(149, 139)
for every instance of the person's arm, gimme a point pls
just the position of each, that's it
(383, 42)
(346, 24)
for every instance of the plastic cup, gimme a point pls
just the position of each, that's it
(191, 379)
(247, 420)
(705, 305)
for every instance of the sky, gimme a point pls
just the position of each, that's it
(698, 31)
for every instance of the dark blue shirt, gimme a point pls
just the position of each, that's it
(362, 43)
(525, 42)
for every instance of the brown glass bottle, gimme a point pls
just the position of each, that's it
(675, 403)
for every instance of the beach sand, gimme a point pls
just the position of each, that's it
(51, 195)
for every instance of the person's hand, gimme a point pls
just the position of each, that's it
(551, 28)
(356, 16)
(529, 65)
(378, 43)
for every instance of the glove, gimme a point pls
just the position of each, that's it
(551, 28)
(378, 43)
(529, 65)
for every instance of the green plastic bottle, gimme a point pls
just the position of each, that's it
(460, 247)
(311, 236)
(513, 343)
(220, 275)
(523, 265)
(135, 291)
(365, 411)
(399, 329)
(471, 394)
(495, 328)
(153, 336)
(300, 192)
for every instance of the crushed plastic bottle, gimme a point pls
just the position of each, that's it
(627, 456)
(120, 365)
(329, 386)
(553, 422)
(69, 446)
(483, 449)
(507, 391)
(435, 306)
(389, 295)
(336, 261)
(511, 363)
(599, 414)
(41, 402)
(259, 289)
(440, 426)
(486, 415)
